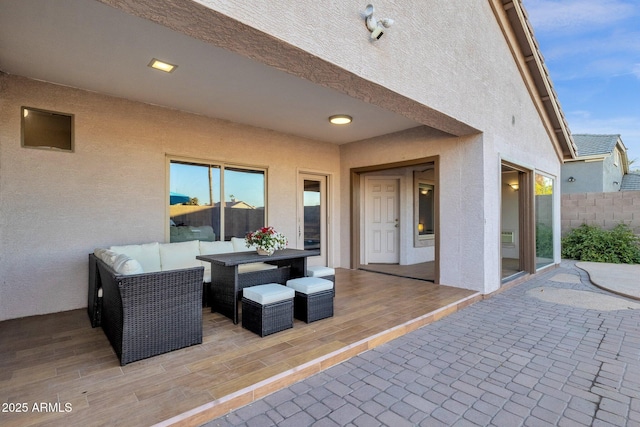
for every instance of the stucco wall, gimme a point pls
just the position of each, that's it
(592, 177)
(612, 174)
(57, 207)
(587, 176)
(604, 210)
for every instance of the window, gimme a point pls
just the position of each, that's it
(544, 220)
(214, 201)
(424, 209)
(47, 129)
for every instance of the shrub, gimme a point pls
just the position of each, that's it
(591, 243)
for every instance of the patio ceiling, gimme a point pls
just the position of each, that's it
(92, 46)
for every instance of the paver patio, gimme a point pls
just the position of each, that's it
(513, 359)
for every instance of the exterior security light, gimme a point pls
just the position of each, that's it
(376, 27)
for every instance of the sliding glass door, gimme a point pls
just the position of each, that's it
(312, 216)
(544, 187)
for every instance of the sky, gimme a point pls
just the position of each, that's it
(592, 51)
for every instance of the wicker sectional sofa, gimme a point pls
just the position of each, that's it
(148, 298)
(147, 314)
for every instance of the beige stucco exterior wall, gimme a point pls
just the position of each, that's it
(57, 207)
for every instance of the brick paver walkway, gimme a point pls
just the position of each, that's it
(507, 361)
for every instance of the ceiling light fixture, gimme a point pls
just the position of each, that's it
(162, 66)
(341, 119)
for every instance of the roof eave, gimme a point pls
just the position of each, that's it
(518, 33)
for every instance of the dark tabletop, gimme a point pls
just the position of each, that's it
(236, 258)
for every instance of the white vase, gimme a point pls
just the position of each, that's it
(265, 252)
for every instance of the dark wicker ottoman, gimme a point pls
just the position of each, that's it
(314, 298)
(267, 309)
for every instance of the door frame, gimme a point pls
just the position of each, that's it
(526, 221)
(356, 184)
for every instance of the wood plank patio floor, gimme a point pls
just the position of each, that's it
(59, 359)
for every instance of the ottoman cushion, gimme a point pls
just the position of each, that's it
(310, 285)
(320, 271)
(267, 294)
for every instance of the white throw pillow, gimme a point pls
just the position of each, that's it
(174, 256)
(148, 255)
(109, 257)
(127, 265)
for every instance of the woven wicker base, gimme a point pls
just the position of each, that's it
(312, 307)
(206, 294)
(267, 319)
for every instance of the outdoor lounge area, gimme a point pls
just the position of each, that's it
(442, 117)
(60, 358)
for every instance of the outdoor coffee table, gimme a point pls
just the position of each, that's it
(227, 283)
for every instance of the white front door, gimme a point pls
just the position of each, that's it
(312, 216)
(382, 226)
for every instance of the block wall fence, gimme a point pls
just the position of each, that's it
(602, 209)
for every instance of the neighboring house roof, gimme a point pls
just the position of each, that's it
(630, 182)
(589, 145)
(236, 204)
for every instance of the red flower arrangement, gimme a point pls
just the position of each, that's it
(266, 239)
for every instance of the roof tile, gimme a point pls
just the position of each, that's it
(589, 145)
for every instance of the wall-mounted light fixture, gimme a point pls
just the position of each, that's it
(378, 26)
(515, 187)
(571, 179)
(615, 183)
(340, 119)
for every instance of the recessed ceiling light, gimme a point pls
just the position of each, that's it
(162, 66)
(340, 119)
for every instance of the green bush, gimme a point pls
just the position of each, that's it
(591, 243)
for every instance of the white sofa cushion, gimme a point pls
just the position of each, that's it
(240, 245)
(210, 248)
(127, 265)
(174, 256)
(148, 255)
